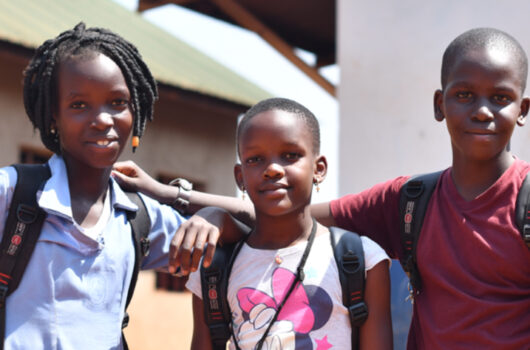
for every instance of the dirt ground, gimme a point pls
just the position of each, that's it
(159, 320)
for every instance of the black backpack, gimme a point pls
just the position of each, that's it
(413, 202)
(23, 227)
(349, 255)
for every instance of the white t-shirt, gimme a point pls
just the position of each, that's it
(313, 316)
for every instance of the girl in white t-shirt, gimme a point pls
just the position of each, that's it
(278, 145)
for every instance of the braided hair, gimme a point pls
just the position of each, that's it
(40, 85)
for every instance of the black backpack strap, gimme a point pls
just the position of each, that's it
(349, 255)
(214, 284)
(522, 210)
(140, 227)
(21, 232)
(413, 201)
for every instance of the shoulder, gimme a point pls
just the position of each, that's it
(521, 167)
(377, 191)
(373, 253)
(161, 212)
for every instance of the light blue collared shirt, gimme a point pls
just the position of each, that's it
(74, 289)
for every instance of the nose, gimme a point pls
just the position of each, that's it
(103, 119)
(483, 113)
(273, 171)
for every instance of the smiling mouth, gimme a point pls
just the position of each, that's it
(103, 143)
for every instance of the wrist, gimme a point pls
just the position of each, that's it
(181, 201)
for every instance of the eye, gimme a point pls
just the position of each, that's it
(292, 156)
(120, 102)
(502, 99)
(78, 105)
(252, 160)
(463, 95)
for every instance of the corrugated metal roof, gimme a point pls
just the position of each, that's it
(173, 62)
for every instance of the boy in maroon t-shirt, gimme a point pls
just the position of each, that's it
(472, 260)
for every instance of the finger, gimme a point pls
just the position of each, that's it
(198, 248)
(213, 237)
(127, 167)
(174, 246)
(184, 254)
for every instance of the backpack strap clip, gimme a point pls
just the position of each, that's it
(414, 189)
(125, 321)
(526, 234)
(350, 262)
(358, 313)
(3, 294)
(218, 333)
(26, 214)
(145, 244)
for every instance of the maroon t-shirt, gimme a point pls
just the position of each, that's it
(474, 264)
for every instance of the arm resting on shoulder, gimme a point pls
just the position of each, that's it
(376, 332)
(322, 213)
(131, 177)
(199, 235)
(201, 339)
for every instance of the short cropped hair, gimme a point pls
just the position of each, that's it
(40, 86)
(286, 105)
(482, 38)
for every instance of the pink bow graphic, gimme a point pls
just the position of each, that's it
(296, 309)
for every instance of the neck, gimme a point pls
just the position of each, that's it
(472, 178)
(279, 232)
(88, 187)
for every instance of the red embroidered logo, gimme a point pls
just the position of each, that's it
(16, 239)
(212, 294)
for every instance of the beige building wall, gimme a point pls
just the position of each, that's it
(15, 130)
(390, 57)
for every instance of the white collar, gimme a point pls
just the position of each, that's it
(55, 196)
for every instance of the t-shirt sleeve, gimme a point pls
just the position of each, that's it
(373, 254)
(373, 213)
(194, 283)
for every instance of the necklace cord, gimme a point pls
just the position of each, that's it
(298, 278)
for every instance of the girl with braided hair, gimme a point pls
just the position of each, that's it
(85, 91)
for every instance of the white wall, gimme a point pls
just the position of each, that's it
(390, 56)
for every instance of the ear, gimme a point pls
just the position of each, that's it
(525, 105)
(321, 169)
(238, 175)
(437, 103)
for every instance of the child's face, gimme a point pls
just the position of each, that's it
(278, 164)
(93, 116)
(481, 103)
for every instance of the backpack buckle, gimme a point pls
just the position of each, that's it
(26, 214)
(412, 272)
(144, 246)
(358, 314)
(125, 321)
(414, 189)
(350, 262)
(219, 332)
(526, 234)
(3, 294)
